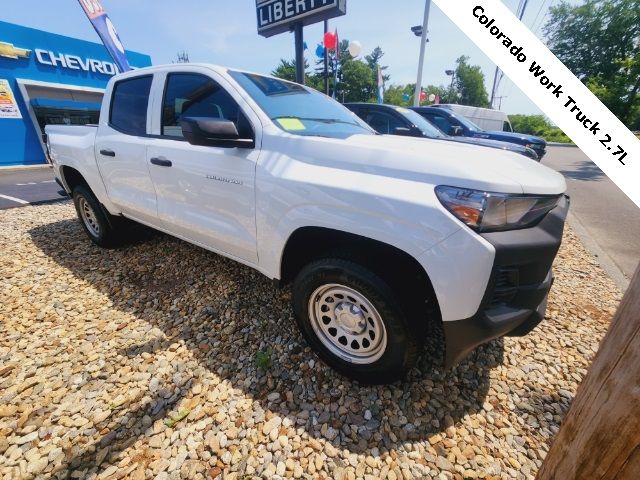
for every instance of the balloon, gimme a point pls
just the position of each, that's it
(305, 46)
(330, 40)
(406, 97)
(432, 97)
(423, 96)
(355, 48)
(320, 51)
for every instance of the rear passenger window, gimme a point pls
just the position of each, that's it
(383, 122)
(195, 95)
(129, 103)
(440, 122)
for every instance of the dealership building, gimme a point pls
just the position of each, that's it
(47, 78)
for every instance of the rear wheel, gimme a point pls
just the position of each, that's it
(102, 228)
(354, 321)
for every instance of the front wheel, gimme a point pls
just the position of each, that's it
(354, 321)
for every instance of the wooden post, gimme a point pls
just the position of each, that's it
(600, 436)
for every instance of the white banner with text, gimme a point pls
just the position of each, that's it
(552, 87)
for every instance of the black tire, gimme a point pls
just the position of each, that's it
(402, 345)
(104, 229)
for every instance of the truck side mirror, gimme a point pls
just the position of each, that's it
(404, 131)
(213, 132)
(455, 131)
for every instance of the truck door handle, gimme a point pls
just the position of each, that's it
(162, 162)
(108, 153)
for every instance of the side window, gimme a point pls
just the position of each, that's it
(129, 102)
(360, 112)
(195, 95)
(383, 122)
(441, 122)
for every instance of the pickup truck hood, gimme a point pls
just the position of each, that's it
(512, 137)
(435, 162)
(485, 142)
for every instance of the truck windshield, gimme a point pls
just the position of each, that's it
(418, 120)
(299, 110)
(467, 123)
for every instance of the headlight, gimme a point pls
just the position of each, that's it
(489, 211)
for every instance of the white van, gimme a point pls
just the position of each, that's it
(485, 118)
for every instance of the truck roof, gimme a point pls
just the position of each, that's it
(181, 66)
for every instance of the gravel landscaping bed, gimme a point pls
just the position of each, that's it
(162, 360)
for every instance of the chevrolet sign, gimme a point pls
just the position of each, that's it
(278, 16)
(7, 50)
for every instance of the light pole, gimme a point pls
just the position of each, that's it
(452, 97)
(452, 74)
(423, 42)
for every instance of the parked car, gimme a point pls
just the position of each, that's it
(393, 120)
(380, 236)
(457, 125)
(485, 118)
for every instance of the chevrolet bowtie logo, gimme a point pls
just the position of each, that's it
(9, 51)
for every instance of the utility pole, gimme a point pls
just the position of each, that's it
(326, 61)
(600, 435)
(497, 77)
(500, 101)
(299, 41)
(423, 43)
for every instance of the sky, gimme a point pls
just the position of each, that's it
(224, 32)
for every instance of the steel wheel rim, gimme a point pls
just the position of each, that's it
(347, 323)
(89, 217)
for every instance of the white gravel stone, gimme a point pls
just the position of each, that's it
(141, 362)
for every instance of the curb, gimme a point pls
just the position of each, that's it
(18, 168)
(556, 144)
(602, 257)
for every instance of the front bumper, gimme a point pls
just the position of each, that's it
(515, 300)
(540, 150)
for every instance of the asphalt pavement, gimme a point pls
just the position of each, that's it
(605, 219)
(28, 187)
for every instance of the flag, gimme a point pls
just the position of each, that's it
(106, 31)
(380, 86)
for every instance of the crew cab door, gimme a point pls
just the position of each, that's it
(121, 149)
(205, 194)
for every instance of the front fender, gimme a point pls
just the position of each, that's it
(413, 238)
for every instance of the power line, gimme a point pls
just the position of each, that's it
(544, 17)
(497, 77)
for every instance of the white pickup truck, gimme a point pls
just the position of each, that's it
(381, 236)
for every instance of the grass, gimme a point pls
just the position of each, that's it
(263, 359)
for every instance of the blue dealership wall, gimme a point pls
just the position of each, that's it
(19, 143)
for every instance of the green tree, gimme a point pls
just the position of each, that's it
(356, 84)
(357, 79)
(286, 70)
(469, 84)
(538, 125)
(394, 95)
(599, 41)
